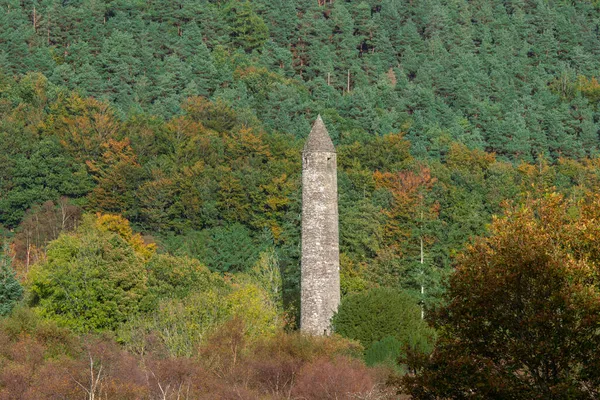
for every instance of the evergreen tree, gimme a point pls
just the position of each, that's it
(247, 29)
(204, 74)
(11, 290)
(120, 67)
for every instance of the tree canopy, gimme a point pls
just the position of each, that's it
(521, 314)
(150, 181)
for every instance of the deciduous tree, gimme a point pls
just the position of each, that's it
(522, 312)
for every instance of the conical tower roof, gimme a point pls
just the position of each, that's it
(318, 140)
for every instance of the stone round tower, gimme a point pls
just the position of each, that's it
(320, 238)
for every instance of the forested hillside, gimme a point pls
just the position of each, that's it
(513, 77)
(150, 162)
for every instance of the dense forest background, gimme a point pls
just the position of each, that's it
(184, 121)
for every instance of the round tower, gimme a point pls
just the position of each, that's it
(320, 238)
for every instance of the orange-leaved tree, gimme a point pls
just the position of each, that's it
(522, 312)
(117, 175)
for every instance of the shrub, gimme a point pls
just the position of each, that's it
(378, 313)
(308, 348)
(385, 351)
(181, 325)
(226, 366)
(276, 362)
(23, 322)
(341, 379)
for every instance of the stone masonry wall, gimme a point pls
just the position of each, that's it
(320, 241)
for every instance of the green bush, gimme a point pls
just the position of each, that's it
(379, 313)
(386, 351)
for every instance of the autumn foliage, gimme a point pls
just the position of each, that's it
(522, 312)
(41, 361)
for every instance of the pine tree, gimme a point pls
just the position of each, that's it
(344, 44)
(121, 66)
(11, 290)
(247, 29)
(204, 73)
